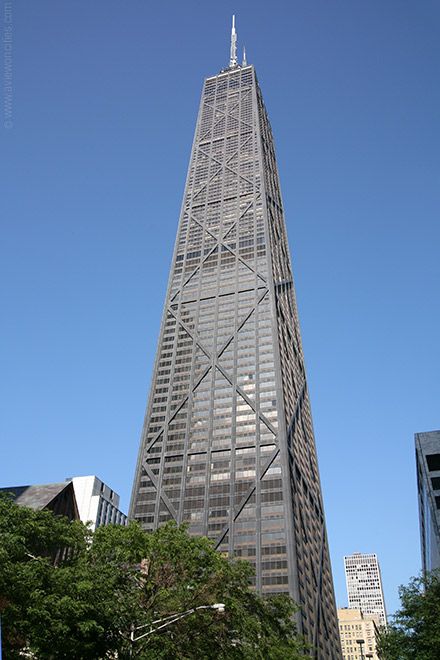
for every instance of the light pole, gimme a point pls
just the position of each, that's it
(159, 624)
(361, 642)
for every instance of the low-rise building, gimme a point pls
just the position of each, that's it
(97, 502)
(79, 498)
(58, 497)
(358, 633)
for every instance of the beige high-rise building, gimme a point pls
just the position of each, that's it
(358, 633)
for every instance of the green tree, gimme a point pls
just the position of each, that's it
(30, 547)
(414, 633)
(84, 605)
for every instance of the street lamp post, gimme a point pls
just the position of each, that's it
(159, 624)
(361, 642)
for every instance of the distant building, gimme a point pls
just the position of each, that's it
(79, 498)
(59, 498)
(355, 627)
(97, 502)
(428, 485)
(364, 585)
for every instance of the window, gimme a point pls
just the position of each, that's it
(433, 461)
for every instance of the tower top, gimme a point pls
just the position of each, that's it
(233, 57)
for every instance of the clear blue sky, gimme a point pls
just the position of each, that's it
(105, 95)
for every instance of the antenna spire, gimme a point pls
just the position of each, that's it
(244, 63)
(233, 58)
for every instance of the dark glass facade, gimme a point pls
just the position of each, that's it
(428, 487)
(227, 444)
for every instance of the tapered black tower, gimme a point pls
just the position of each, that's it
(227, 443)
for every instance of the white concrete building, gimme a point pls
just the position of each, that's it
(97, 503)
(364, 585)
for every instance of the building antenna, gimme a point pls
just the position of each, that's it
(244, 63)
(233, 59)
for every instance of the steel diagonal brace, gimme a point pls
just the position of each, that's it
(216, 123)
(247, 91)
(249, 401)
(247, 496)
(228, 248)
(237, 174)
(224, 373)
(323, 612)
(234, 224)
(214, 247)
(227, 112)
(228, 377)
(210, 130)
(217, 109)
(240, 176)
(212, 158)
(239, 326)
(208, 105)
(235, 254)
(208, 231)
(291, 428)
(297, 408)
(194, 337)
(225, 166)
(219, 162)
(314, 570)
(225, 115)
(205, 185)
(245, 263)
(211, 251)
(165, 499)
(176, 410)
(305, 536)
(318, 608)
(241, 323)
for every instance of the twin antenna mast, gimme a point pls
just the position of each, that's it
(233, 59)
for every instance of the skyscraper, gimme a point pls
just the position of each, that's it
(428, 485)
(227, 443)
(364, 585)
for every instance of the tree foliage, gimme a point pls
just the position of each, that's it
(83, 605)
(415, 631)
